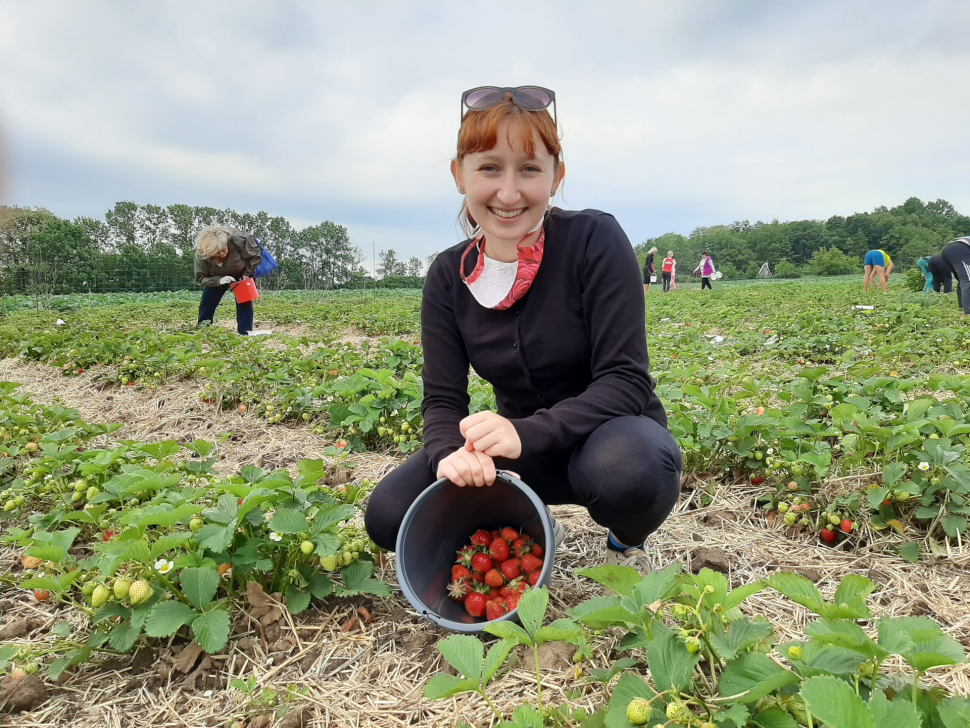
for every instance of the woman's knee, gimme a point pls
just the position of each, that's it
(392, 497)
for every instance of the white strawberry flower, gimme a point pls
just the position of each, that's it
(273, 536)
(771, 451)
(924, 465)
(163, 566)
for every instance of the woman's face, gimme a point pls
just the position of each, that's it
(506, 190)
(221, 255)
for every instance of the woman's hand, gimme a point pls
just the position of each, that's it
(491, 434)
(467, 468)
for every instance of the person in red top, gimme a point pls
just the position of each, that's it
(546, 305)
(667, 269)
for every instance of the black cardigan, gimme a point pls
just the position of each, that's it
(566, 358)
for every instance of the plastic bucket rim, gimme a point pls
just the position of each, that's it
(411, 595)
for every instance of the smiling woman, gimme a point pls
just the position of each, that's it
(546, 305)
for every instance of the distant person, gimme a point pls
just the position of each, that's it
(942, 275)
(649, 269)
(667, 269)
(878, 265)
(924, 265)
(222, 257)
(706, 269)
(956, 254)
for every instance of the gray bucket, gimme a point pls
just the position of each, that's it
(442, 520)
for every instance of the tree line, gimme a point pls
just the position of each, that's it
(151, 248)
(830, 247)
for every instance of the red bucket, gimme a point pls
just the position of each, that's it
(245, 291)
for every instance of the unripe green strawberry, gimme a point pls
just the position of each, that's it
(693, 645)
(307, 547)
(901, 495)
(678, 712)
(328, 563)
(140, 591)
(790, 519)
(834, 519)
(346, 557)
(680, 611)
(195, 525)
(87, 589)
(783, 507)
(80, 487)
(794, 652)
(99, 597)
(31, 668)
(121, 588)
(77, 498)
(638, 711)
(92, 491)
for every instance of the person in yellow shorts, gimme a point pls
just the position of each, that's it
(879, 265)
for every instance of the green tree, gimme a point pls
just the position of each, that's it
(833, 262)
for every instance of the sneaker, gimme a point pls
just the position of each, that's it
(558, 532)
(638, 558)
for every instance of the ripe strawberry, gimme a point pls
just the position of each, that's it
(481, 563)
(475, 604)
(465, 556)
(509, 534)
(495, 609)
(516, 586)
(512, 601)
(459, 589)
(511, 569)
(757, 480)
(140, 591)
(477, 577)
(108, 535)
(41, 595)
(846, 525)
(459, 572)
(494, 578)
(537, 550)
(499, 550)
(495, 593)
(530, 563)
(481, 537)
(534, 578)
(828, 535)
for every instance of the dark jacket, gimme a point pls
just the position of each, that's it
(566, 358)
(244, 256)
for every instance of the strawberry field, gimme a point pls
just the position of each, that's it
(182, 538)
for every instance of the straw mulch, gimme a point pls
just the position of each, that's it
(368, 667)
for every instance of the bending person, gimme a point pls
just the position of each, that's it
(956, 254)
(924, 265)
(223, 257)
(546, 305)
(878, 267)
(942, 275)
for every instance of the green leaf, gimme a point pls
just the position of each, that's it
(656, 585)
(752, 676)
(671, 665)
(166, 618)
(199, 585)
(169, 542)
(851, 594)
(953, 525)
(525, 716)
(332, 515)
(124, 636)
(138, 551)
(835, 703)
(799, 589)
(736, 596)
(909, 551)
(630, 686)
(287, 521)
(708, 578)
(893, 472)
(216, 538)
(741, 634)
(54, 554)
(774, 718)
(321, 586)
(509, 631)
(357, 579)
(619, 579)
(443, 685)
(74, 657)
(562, 630)
(936, 652)
(61, 629)
(900, 634)
(532, 609)
(896, 714)
(602, 612)
(845, 634)
(464, 653)
(955, 712)
(296, 600)
(495, 658)
(211, 630)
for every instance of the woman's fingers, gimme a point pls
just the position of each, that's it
(482, 444)
(488, 469)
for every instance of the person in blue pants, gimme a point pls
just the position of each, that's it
(924, 265)
(956, 253)
(942, 275)
(223, 257)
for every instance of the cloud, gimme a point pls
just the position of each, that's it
(674, 114)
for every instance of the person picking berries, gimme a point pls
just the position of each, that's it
(546, 305)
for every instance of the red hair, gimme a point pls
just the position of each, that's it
(479, 133)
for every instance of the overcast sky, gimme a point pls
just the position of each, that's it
(674, 114)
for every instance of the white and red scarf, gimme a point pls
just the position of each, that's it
(527, 267)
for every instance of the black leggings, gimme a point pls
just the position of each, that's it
(957, 256)
(626, 473)
(666, 279)
(706, 283)
(942, 275)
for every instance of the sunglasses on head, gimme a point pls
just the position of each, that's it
(530, 98)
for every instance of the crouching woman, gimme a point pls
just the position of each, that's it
(223, 257)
